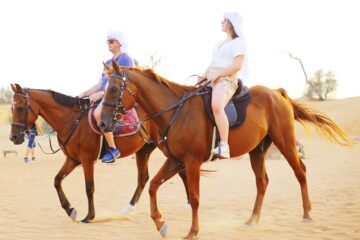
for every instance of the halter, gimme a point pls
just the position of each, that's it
(27, 107)
(119, 105)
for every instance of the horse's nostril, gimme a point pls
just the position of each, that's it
(13, 137)
(101, 124)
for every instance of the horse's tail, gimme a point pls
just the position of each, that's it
(323, 123)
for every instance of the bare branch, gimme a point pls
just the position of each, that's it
(301, 64)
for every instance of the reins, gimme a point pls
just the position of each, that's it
(82, 109)
(176, 105)
(50, 143)
(180, 102)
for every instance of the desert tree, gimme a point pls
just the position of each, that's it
(322, 85)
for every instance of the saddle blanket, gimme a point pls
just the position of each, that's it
(128, 125)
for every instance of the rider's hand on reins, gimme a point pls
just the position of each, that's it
(96, 96)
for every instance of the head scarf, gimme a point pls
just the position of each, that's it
(118, 36)
(236, 20)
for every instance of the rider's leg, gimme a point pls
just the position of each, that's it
(221, 94)
(218, 106)
(109, 136)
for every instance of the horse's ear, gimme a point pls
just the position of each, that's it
(115, 66)
(13, 87)
(18, 88)
(108, 68)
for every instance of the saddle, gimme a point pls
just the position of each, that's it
(236, 108)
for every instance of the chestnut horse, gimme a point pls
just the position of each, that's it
(79, 143)
(270, 118)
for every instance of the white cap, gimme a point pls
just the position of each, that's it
(118, 36)
(236, 20)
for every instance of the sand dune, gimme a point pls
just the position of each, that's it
(30, 209)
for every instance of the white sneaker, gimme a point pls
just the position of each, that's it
(222, 151)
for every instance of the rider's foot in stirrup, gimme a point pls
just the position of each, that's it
(222, 151)
(111, 155)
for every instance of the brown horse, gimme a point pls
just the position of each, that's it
(270, 118)
(78, 142)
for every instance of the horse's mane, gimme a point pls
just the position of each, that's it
(178, 89)
(62, 99)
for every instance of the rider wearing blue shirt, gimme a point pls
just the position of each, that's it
(118, 48)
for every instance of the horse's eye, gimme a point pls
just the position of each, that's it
(20, 109)
(113, 90)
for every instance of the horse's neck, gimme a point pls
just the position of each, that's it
(53, 113)
(155, 97)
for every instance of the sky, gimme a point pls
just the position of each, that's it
(60, 45)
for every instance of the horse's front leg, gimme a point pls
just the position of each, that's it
(65, 170)
(193, 177)
(142, 159)
(168, 170)
(88, 168)
(182, 175)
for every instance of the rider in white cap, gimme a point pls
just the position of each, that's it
(229, 62)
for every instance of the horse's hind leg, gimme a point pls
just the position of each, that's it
(257, 159)
(65, 170)
(290, 153)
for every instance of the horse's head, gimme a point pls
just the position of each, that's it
(118, 97)
(23, 114)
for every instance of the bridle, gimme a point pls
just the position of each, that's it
(119, 107)
(28, 107)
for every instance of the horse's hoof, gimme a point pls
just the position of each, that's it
(307, 220)
(163, 230)
(190, 237)
(88, 219)
(250, 222)
(85, 220)
(254, 219)
(129, 208)
(73, 214)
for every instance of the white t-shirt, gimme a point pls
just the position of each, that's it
(225, 52)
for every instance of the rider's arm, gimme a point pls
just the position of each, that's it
(202, 77)
(230, 70)
(92, 90)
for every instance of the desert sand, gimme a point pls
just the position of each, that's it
(30, 209)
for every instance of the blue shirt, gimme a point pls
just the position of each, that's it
(123, 60)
